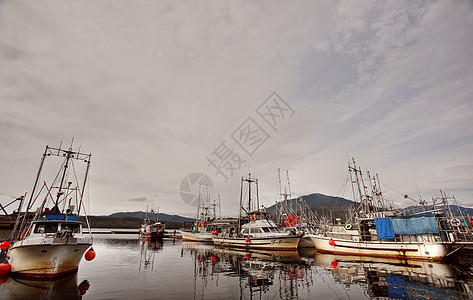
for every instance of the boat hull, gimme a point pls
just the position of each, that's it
(152, 235)
(197, 237)
(401, 250)
(261, 243)
(53, 258)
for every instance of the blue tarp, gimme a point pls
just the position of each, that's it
(412, 225)
(384, 228)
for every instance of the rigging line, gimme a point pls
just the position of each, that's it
(403, 194)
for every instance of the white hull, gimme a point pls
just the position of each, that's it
(401, 250)
(197, 236)
(47, 258)
(261, 243)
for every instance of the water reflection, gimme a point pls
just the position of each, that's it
(149, 247)
(398, 279)
(63, 288)
(295, 274)
(256, 271)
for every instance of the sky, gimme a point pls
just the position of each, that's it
(169, 96)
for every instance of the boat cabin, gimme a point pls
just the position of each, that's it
(55, 228)
(260, 228)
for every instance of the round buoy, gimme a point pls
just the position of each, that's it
(4, 268)
(89, 255)
(4, 245)
(247, 256)
(247, 240)
(334, 264)
(331, 242)
(213, 258)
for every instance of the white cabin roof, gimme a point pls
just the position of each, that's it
(260, 224)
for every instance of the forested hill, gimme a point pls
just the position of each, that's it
(320, 203)
(142, 215)
(135, 219)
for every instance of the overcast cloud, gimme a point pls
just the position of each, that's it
(152, 88)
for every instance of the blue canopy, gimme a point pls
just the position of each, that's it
(384, 228)
(413, 225)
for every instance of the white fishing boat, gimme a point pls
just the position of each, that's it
(198, 235)
(204, 228)
(257, 231)
(378, 232)
(53, 244)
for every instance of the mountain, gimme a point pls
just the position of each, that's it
(142, 215)
(319, 202)
(338, 206)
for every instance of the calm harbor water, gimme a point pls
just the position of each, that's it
(129, 268)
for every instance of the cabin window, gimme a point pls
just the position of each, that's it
(75, 228)
(266, 229)
(254, 230)
(45, 228)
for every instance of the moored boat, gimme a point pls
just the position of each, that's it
(379, 232)
(260, 234)
(257, 231)
(51, 248)
(151, 230)
(203, 228)
(53, 244)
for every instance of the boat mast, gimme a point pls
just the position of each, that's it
(241, 196)
(88, 158)
(23, 223)
(249, 192)
(257, 197)
(60, 192)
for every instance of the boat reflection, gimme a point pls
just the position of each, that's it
(397, 279)
(149, 247)
(280, 273)
(63, 288)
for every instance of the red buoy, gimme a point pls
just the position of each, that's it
(4, 268)
(213, 258)
(331, 242)
(89, 255)
(4, 245)
(247, 256)
(334, 264)
(247, 240)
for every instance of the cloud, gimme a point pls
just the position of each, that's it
(151, 89)
(140, 199)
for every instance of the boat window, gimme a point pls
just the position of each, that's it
(266, 229)
(255, 230)
(74, 227)
(45, 228)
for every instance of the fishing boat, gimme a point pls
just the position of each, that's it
(204, 227)
(53, 244)
(377, 231)
(151, 230)
(257, 230)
